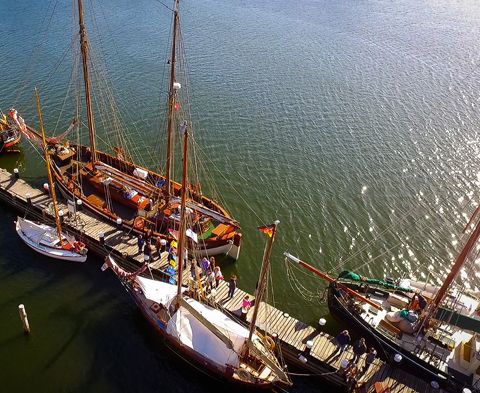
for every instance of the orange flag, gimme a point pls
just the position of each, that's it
(267, 230)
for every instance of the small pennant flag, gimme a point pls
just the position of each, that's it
(267, 230)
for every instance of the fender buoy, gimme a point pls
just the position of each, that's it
(269, 343)
(139, 223)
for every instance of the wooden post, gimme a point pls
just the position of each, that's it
(16, 173)
(23, 318)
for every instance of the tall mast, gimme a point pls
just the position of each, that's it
(181, 236)
(47, 162)
(88, 99)
(457, 265)
(263, 274)
(171, 104)
(326, 277)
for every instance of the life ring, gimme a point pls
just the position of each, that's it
(244, 375)
(269, 343)
(139, 223)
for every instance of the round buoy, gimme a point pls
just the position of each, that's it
(398, 358)
(434, 384)
(309, 344)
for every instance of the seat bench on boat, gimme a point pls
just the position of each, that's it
(389, 328)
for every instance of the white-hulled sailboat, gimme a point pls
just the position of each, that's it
(200, 333)
(42, 238)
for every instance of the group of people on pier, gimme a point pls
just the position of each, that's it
(350, 368)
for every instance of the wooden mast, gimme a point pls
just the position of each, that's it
(171, 106)
(47, 162)
(88, 99)
(457, 266)
(181, 235)
(326, 277)
(262, 279)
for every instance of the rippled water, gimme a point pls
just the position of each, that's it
(353, 123)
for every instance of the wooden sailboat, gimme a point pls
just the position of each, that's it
(198, 332)
(429, 330)
(42, 238)
(115, 188)
(10, 134)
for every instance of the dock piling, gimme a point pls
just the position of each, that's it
(23, 318)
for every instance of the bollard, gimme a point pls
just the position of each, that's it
(29, 198)
(322, 322)
(119, 223)
(435, 385)
(23, 318)
(79, 204)
(302, 358)
(60, 215)
(16, 173)
(146, 259)
(46, 188)
(397, 358)
(308, 348)
(101, 238)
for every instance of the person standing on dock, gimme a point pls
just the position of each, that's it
(341, 342)
(147, 251)
(140, 243)
(218, 276)
(232, 285)
(246, 304)
(205, 265)
(359, 348)
(160, 245)
(371, 355)
(193, 268)
(210, 280)
(212, 263)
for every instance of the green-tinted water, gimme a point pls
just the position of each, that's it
(353, 123)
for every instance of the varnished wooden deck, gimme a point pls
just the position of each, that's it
(291, 334)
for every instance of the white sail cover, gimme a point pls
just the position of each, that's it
(158, 291)
(192, 333)
(38, 233)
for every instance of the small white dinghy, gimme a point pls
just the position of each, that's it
(44, 239)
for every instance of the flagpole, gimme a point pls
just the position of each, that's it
(263, 272)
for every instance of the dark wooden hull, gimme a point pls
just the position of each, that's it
(225, 244)
(386, 348)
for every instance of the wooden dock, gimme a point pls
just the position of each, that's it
(291, 335)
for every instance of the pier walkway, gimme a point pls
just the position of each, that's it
(290, 335)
